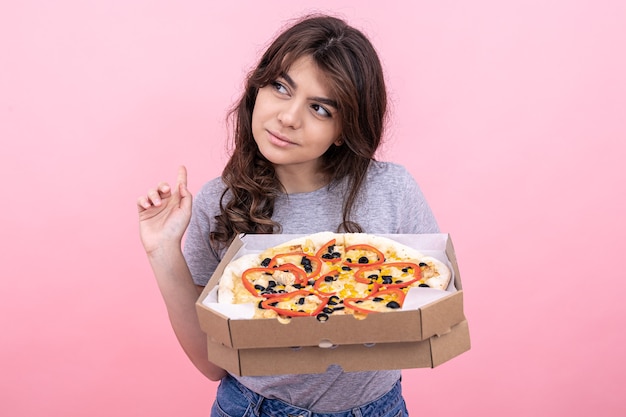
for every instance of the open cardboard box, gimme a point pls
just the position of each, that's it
(423, 336)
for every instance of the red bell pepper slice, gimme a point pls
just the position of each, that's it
(388, 296)
(364, 247)
(298, 257)
(321, 281)
(326, 253)
(293, 309)
(362, 275)
(246, 277)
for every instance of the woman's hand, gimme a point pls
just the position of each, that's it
(164, 214)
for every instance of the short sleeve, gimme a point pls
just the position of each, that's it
(201, 257)
(416, 215)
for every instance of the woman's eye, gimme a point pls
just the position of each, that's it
(320, 110)
(279, 87)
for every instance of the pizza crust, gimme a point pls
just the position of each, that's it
(232, 274)
(443, 276)
(391, 248)
(309, 244)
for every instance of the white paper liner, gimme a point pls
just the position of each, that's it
(416, 297)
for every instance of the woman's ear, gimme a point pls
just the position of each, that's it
(338, 142)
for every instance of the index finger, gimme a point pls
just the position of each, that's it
(182, 175)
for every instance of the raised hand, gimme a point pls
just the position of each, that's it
(164, 214)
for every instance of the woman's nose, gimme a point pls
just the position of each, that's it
(290, 115)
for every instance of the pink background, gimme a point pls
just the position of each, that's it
(510, 114)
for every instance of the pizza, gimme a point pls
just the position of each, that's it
(326, 274)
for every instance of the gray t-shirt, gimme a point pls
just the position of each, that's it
(390, 202)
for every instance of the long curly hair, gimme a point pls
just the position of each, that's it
(356, 79)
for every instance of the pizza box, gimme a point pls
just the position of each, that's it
(427, 353)
(434, 329)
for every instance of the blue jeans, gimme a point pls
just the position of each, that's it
(235, 400)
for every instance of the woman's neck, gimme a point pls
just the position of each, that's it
(299, 180)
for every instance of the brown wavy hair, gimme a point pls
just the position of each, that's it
(356, 79)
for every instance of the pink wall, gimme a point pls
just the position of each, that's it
(511, 115)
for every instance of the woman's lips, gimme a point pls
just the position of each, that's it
(278, 140)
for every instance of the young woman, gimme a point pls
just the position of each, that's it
(305, 134)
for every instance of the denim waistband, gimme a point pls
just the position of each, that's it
(276, 408)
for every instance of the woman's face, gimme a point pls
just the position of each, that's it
(295, 118)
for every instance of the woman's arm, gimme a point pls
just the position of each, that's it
(164, 215)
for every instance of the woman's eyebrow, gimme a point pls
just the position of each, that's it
(289, 80)
(322, 100)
